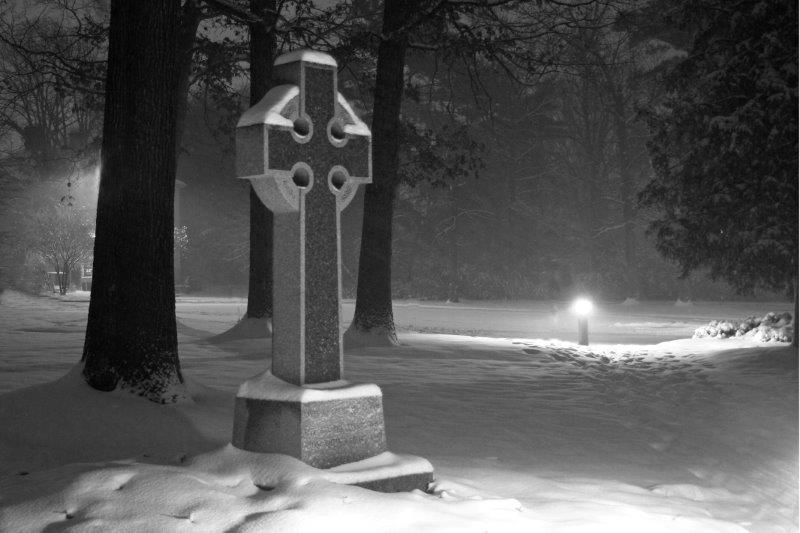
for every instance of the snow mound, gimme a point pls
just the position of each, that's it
(246, 328)
(360, 338)
(771, 327)
(233, 490)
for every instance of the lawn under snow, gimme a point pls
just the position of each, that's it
(524, 434)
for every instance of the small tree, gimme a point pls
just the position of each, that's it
(62, 238)
(725, 147)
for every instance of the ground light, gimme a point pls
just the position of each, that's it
(582, 307)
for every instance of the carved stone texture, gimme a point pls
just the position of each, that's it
(322, 434)
(305, 152)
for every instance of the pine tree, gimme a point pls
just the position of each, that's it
(725, 146)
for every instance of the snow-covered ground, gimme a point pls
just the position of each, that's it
(645, 430)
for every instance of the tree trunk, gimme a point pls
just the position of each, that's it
(591, 131)
(190, 20)
(795, 317)
(454, 292)
(373, 313)
(511, 264)
(63, 280)
(626, 195)
(263, 47)
(131, 340)
(593, 216)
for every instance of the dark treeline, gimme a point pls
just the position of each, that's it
(512, 186)
(517, 180)
(520, 150)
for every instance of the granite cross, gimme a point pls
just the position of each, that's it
(305, 152)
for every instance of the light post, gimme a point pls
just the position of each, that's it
(582, 307)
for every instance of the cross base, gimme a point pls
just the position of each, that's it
(403, 483)
(386, 472)
(321, 434)
(337, 426)
(323, 425)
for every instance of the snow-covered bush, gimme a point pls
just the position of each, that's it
(771, 327)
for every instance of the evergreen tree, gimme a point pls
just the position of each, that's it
(724, 146)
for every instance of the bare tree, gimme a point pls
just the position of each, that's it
(614, 68)
(62, 237)
(52, 55)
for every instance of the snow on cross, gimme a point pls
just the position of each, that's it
(305, 152)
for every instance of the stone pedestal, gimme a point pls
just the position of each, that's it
(322, 426)
(327, 425)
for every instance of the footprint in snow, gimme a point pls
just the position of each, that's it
(558, 357)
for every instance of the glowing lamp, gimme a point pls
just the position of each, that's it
(582, 307)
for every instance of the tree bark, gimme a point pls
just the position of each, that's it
(590, 130)
(191, 14)
(131, 340)
(63, 281)
(626, 195)
(454, 292)
(795, 332)
(263, 47)
(373, 312)
(189, 21)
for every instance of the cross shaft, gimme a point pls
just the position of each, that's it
(305, 153)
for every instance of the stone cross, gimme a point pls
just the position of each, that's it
(305, 152)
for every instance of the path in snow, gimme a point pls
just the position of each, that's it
(649, 416)
(648, 322)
